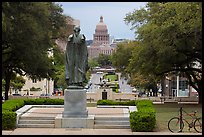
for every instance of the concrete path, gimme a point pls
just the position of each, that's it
(82, 131)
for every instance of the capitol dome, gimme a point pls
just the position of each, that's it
(101, 25)
(101, 35)
(101, 41)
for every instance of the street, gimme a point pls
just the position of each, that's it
(95, 80)
(124, 87)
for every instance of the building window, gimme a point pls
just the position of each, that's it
(183, 84)
(183, 89)
(34, 81)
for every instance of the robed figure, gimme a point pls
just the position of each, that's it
(76, 58)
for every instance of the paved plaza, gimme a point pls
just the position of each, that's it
(52, 112)
(111, 111)
(83, 131)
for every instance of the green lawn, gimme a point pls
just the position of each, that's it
(111, 77)
(91, 104)
(165, 112)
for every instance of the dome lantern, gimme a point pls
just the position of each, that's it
(101, 19)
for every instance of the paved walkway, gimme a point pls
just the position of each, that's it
(81, 131)
(53, 112)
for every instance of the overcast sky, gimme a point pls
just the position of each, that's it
(113, 16)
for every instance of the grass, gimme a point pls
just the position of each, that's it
(111, 77)
(165, 112)
(91, 104)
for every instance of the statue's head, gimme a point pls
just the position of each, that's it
(77, 30)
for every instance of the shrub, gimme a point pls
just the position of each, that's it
(12, 105)
(141, 121)
(44, 101)
(8, 116)
(111, 102)
(35, 89)
(8, 120)
(143, 103)
(145, 118)
(113, 88)
(127, 103)
(106, 102)
(9, 106)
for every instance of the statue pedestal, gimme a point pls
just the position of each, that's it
(75, 103)
(75, 114)
(74, 122)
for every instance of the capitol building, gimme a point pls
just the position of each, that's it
(101, 41)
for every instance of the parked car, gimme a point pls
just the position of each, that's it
(16, 94)
(87, 87)
(142, 94)
(99, 72)
(45, 94)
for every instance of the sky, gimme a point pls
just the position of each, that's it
(113, 16)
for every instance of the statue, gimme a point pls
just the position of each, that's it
(76, 59)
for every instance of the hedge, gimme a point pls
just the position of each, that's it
(44, 101)
(8, 120)
(143, 120)
(10, 106)
(8, 114)
(111, 102)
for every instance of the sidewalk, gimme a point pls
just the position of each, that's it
(83, 131)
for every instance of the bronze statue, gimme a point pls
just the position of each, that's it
(76, 57)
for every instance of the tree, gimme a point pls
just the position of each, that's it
(60, 79)
(171, 40)
(122, 59)
(59, 59)
(18, 83)
(104, 60)
(93, 63)
(123, 54)
(29, 31)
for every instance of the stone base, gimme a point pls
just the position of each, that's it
(75, 103)
(79, 122)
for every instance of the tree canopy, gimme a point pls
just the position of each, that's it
(29, 31)
(104, 60)
(170, 36)
(121, 58)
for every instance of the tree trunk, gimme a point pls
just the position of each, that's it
(163, 86)
(7, 84)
